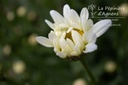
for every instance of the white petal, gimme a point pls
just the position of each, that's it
(90, 48)
(74, 16)
(63, 35)
(52, 36)
(76, 51)
(75, 25)
(101, 27)
(69, 29)
(51, 25)
(70, 43)
(84, 37)
(66, 13)
(56, 45)
(87, 25)
(61, 54)
(91, 37)
(57, 17)
(83, 22)
(76, 37)
(55, 40)
(64, 46)
(84, 14)
(63, 25)
(44, 41)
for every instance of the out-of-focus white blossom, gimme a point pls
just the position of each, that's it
(31, 15)
(7, 49)
(110, 66)
(10, 16)
(18, 67)
(32, 40)
(124, 10)
(79, 82)
(21, 11)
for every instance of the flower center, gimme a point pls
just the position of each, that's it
(69, 35)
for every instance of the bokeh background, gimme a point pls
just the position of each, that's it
(24, 61)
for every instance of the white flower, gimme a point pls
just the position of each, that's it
(73, 35)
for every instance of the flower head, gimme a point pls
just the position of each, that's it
(71, 34)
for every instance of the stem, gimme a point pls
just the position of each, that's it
(83, 62)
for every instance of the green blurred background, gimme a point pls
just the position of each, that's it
(25, 61)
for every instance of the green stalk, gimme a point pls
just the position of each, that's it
(89, 73)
